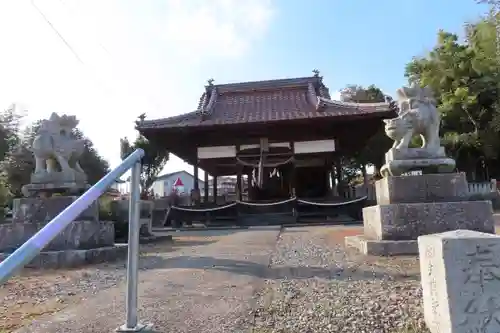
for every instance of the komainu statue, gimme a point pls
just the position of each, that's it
(418, 115)
(57, 152)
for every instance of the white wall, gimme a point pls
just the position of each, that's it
(163, 187)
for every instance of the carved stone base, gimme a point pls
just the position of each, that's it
(399, 167)
(75, 258)
(78, 235)
(446, 187)
(71, 176)
(412, 206)
(399, 161)
(68, 188)
(407, 221)
(414, 154)
(43, 210)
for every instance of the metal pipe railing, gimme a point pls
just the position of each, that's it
(131, 323)
(29, 250)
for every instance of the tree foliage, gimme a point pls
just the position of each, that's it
(358, 94)
(465, 79)
(5, 193)
(374, 151)
(94, 165)
(9, 130)
(153, 161)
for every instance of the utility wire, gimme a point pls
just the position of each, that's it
(64, 4)
(57, 32)
(103, 85)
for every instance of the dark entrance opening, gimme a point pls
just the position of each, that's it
(311, 182)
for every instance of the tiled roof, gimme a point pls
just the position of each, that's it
(264, 101)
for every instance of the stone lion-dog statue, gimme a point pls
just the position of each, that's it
(57, 151)
(418, 115)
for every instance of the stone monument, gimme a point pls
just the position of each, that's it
(409, 206)
(57, 153)
(57, 181)
(417, 116)
(460, 274)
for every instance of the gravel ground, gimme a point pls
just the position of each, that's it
(203, 289)
(318, 286)
(37, 292)
(312, 285)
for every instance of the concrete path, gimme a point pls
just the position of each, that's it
(204, 289)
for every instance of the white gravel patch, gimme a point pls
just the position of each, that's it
(318, 287)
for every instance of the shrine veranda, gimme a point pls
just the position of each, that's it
(287, 136)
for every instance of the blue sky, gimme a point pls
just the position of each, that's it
(355, 41)
(155, 56)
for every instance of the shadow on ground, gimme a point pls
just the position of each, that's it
(248, 268)
(197, 232)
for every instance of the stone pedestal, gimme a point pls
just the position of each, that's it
(121, 208)
(399, 161)
(460, 281)
(64, 188)
(85, 240)
(79, 235)
(412, 206)
(43, 210)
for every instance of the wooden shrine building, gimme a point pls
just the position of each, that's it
(287, 135)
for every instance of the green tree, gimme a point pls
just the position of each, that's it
(464, 78)
(153, 162)
(5, 193)
(19, 162)
(374, 151)
(9, 130)
(494, 3)
(94, 165)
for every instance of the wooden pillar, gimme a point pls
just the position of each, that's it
(338, 171)
(293, 173)
(338, 174)
(239, 189)
(196, 182)
(205, 194)
(215, 189)
(327, 177)
(332, 179)
(331, 173)
(365, 179)
(249, 185)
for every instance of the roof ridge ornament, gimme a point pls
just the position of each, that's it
(313, 98)
(316, 72)
(141, 119)
(210, 82)
(211, 101)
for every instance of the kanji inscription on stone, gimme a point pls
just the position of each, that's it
(461, 281)
(481, 302)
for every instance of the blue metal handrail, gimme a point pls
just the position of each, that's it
(32, 247)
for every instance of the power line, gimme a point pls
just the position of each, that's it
(68, 45)
(57, 32)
